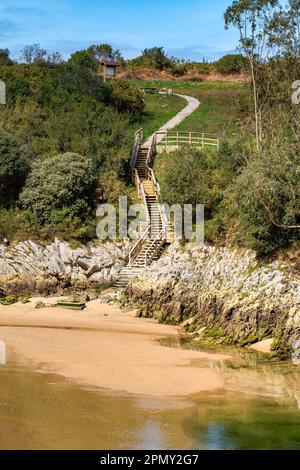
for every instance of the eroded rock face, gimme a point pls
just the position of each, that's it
(44, 268)
(225, 293)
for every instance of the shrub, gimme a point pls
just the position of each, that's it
(231, 64)
(126, 97)
(11, 167)
(84, 60)
(154, 57)
(59, 186)
(189, 177)
(268, 194)
(4, 57)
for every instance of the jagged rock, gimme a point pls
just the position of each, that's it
(31, 263)
(225, 288)
(296, 352)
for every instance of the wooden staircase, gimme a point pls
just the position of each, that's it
(149, 246)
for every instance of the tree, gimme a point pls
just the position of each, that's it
(84, 60)
(231, 64)
(4, 57)
(286, 28)
(58, 187)
(154, 57)
(11, 167)
(105, 52)
(127, 97)
(253, 19)
(54, 58)
(187, 178)
(33, 54)
(268, 194)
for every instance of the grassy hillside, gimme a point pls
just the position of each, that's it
(158, 110)
(66, 119)
(221, 104)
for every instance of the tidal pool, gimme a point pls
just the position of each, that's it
(257, 409)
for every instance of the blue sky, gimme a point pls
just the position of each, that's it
(192, 29)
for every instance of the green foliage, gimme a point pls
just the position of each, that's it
(231, 64)
(58, 187)
(18, 225)
(11, 167)
(8, 300)
(34, 54)
(268, 194)
(127, 97)
(4, 57)
(84, 60)
(154, 57)
(105, 52)
(189, 176)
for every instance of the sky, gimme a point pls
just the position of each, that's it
(191, 29)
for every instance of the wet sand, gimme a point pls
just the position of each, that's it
(104, 347)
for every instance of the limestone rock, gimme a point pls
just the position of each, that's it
(82, 266)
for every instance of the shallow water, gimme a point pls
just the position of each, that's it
(258, 409)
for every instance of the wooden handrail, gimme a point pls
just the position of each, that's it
(162, 137)
(171, 138)
(136, 249)
(138, 139)
(161, 238)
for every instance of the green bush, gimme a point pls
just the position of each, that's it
(84, 60)
(4, 57)
(58, 187)
(190, 176)
(231, 64)
(268, 194)
(11, 167)
(18, 225)
(126, 97)
(154, 57)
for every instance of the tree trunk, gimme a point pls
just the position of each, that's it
(256, 111)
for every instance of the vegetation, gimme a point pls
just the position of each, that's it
(11, 167)
(196, 178)
(231, 64)
(55, 109)
(251, 186)
(59, 187)
(66, 135)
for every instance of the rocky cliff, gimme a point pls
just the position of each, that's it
(31, 267)
(223, 295)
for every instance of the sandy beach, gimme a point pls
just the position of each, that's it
(104, 347)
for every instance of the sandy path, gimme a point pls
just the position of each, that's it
(104, 347)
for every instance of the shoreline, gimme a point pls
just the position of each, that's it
(104, 347)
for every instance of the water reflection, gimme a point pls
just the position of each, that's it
(44, 411)
(249, 371)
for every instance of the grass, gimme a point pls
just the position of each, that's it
(218, 112)
(220, 84)
(159, 109)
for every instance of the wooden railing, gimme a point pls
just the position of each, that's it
(151, 151)
(168, 227)
(155, 245)
(176, 139)
(134, 252)
(139, 136)
(169, 140)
